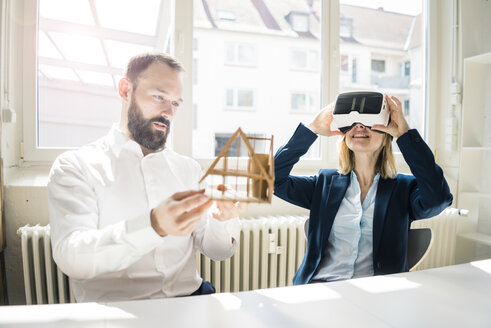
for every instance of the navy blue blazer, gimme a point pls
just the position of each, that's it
(398, 201)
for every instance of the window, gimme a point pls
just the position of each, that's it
(299, 21)
(239, 99)
(227, 50)
(240, 54)
(374, 62)
(345, 28)
(378, 66)
(303, 103)
(304, 59)
(344, 65)
(259, 100)
(353, 71)
(222, 138)
(226, 15)
(407, 68)
(406, 107)
(83, 49)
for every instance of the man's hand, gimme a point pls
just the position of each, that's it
(179, 214)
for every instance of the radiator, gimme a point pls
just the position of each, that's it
(269, 253)
(44, 282)
(444, 228)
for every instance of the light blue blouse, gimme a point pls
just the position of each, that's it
(349, 251)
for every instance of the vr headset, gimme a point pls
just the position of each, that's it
(367, 108)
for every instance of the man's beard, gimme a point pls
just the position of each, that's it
(142, 129)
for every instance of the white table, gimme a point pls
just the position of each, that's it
(455, 296)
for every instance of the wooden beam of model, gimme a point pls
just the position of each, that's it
(258, 176)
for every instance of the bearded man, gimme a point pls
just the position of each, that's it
(126, 213)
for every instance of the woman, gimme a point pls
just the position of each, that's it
(360, 214)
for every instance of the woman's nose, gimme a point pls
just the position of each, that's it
(359, 126)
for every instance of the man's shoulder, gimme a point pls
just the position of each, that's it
(77, 157)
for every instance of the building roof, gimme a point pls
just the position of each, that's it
(370, 27)
(378, 28)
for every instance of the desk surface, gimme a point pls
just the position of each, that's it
(455, 296)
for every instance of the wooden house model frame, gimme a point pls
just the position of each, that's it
(259, 173)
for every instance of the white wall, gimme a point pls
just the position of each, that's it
(26, 193)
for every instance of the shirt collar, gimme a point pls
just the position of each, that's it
(118, 140)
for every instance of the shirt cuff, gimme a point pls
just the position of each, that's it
(228, 229)
(139, 232)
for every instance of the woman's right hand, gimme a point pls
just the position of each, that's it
(321, 124)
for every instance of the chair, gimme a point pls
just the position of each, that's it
(419, 243)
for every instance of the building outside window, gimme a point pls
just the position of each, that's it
(83, 47)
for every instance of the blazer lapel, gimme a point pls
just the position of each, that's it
(339, 184)
(382, 198)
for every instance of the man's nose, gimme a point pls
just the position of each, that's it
(166, 109)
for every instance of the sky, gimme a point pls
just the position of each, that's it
(410, 7)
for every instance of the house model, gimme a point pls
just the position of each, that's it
(231, 178)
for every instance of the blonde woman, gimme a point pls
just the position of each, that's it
(360, 214)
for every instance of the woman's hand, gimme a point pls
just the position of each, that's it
(398, 124)
(321, 124)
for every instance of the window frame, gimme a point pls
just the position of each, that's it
(182, 50)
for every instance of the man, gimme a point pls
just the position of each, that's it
(126, 213)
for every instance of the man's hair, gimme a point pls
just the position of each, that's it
(139, 63)
(385, 163)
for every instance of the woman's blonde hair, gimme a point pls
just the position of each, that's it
(385, 165)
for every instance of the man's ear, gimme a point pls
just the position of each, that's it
(124, 87)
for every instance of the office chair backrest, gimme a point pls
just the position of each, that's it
(418, 246)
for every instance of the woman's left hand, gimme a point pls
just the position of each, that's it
(398, 124)
(226, 210)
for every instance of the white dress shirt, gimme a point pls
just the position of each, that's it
(100, 197)
(349, 251)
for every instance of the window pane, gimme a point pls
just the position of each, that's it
(378, 65)
(246, 54)
(261, 35)
(230, 98)
(245, 98)
(387, 47)
(299, 59)
(230, 52)
(298, 101)
(81, 62)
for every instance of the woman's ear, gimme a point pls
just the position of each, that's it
(124, 87)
